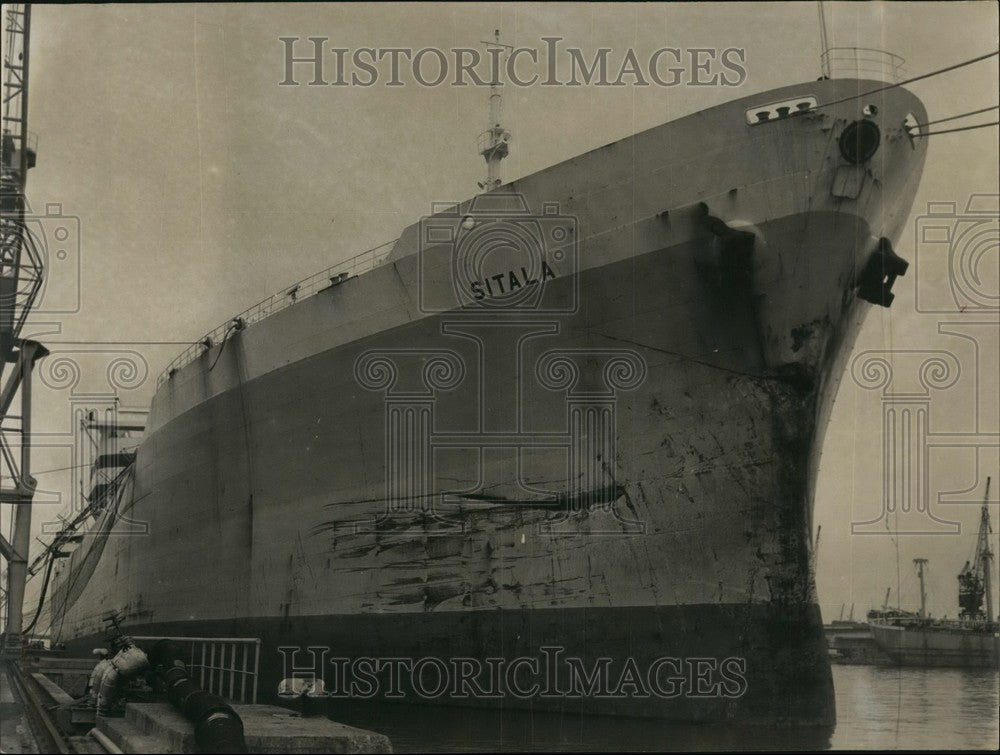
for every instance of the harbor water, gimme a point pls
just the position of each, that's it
(916, 708)
(877, 708)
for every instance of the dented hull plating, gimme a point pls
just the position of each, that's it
(623, 467)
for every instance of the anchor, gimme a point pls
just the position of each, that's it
(735, 262)
(881, 270)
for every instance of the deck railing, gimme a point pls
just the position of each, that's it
(361, 263)
(863, 63)
(227, 666)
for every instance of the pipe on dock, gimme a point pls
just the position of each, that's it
(217, 727)
(102, 739)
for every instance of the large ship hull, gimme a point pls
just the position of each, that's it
(939, 646)
(620, 469)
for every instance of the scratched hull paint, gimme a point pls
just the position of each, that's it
(681, 530)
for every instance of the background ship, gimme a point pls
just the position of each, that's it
(720, 264)
(972, 641)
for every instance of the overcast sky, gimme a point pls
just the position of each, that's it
(201, 186)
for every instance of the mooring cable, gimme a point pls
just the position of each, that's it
(954, 130)
(956, 117)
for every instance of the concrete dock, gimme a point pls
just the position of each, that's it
(39, 714)
(15, 732)
(160, 728)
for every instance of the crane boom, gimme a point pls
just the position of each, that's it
(984, 556)
(975, 580)
(20, 262)
(20, 282)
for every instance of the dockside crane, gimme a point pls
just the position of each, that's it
(21, 272)
(975, 582)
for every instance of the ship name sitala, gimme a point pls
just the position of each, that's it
(506, 283)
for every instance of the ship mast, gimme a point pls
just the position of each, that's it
(824, 42)
(493, 142)
(920, 562)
